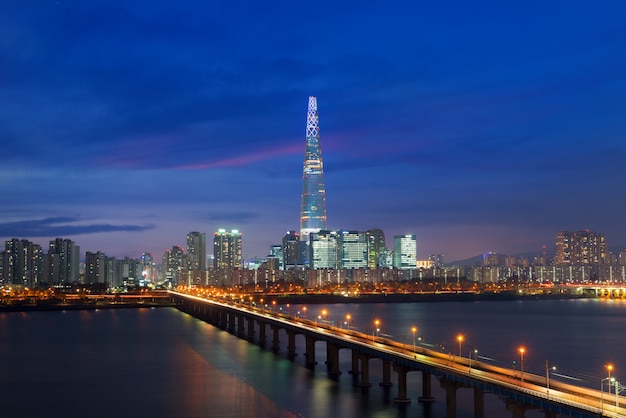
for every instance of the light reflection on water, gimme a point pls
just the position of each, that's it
(164, 363)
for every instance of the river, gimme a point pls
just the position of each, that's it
(161, 362)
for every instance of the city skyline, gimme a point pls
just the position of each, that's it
(476, 127)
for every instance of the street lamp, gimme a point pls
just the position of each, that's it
(459, 338)
(414, 330)
(522, 350)
(377, 323)
(548, 378)
(348, 317)
(609, 368)
(304, 309)
(274, 305)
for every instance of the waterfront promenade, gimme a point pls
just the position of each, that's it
(520, 390)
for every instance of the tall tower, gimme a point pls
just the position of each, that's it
(313, 210)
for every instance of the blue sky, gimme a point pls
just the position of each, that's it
(477, 127)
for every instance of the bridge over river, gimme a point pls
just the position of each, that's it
(521, 391)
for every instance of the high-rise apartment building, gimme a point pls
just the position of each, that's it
(22, 263)
(196, 251)
(95, 267)
(63, 261)
(173, 263)
(227, 249)
(404, 252)
(581, 247)
(313, 209)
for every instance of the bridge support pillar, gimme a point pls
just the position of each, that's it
(355, 364)
(401, 371)
(386, 373)
(310, 351)
(250, 329)
(365, 371)
(479, 403)
(275, 340)
(427, 392)
(223, 319)
(240, 332)
(231, 323)
(261, 333)
(450, 388)
(332, 360)
(517, 409)
(291, 345)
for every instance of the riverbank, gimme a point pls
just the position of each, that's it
(82, 305)
(322, 298)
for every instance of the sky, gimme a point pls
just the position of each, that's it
(477, 126)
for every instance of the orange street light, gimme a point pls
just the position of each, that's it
(304, 310)
(522, 350)
(414, 330)
(348, 317)
(460, 338)
(377, 323)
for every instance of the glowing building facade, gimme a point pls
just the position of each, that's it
(313, 209)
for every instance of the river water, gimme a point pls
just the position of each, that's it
(164, 363)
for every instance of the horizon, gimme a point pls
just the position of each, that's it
(477, 128)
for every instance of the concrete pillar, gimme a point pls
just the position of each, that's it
(231, 322)
(479, 403)
(332, 360)
(517, 409)
(450, 388)
(310, 351)
(291, 345)
(223, 319)
(365, 371)
(275, 340)
(355, 364)
(401, 371)
(262, 333)
(386, 373)
(250, 328)
(240, 332)
(427, 392)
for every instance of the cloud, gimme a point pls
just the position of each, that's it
(241, 217)
(62, 226)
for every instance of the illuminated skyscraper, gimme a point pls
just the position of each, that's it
(404, 252)
(227, 249)
(313, 210)
(196, 251)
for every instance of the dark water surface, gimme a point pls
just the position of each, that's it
(164, 363)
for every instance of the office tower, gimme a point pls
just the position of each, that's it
(404, 252)
(323, 247)
(352, 249)
(294, 251)
(95, 267)
(276, 251)
(196, 251)
(581, 247)
(63, 260)
(148, 268)
(22, 263)
(313, 209)
(227, 249)
(375, 244)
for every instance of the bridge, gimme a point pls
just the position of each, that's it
(520, 390)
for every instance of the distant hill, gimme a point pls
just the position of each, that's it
(478, 260)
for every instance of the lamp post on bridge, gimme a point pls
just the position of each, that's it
(548, 378)
(522, 350)
(609, 368)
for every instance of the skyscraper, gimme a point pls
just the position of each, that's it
(227, 249)
(404, 252)
(196, 251)
(313, 209)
